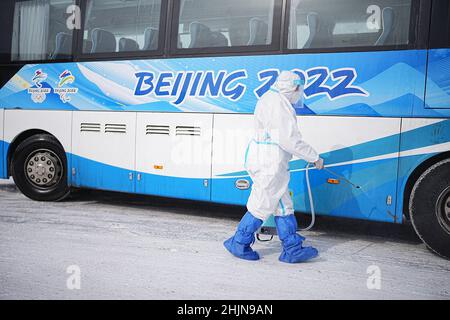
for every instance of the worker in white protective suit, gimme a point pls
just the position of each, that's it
(277, 138)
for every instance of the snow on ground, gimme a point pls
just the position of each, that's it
(136, 247)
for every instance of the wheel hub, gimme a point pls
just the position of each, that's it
(43, 168)
(40, 169)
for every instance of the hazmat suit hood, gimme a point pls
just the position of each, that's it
(290, 85)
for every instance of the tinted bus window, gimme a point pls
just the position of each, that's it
(6, 24)
(348, 23)
(121, 26)
(440, 24)
(40, 30)
(231, 23)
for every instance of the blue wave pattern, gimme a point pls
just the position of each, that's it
(394, 83)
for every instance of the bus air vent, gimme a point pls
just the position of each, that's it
(90, 127)
(188, 131)
(115, 128)
(155, 129)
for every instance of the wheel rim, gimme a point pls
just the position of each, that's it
(43, 169)
(443, 209)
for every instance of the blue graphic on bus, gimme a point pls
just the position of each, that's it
(391, 85)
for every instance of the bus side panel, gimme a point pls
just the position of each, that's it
(3, 160)
(104, 150)
(231, 136)
(173, 155)
(57, 123)
(363, 150)
(420, 140)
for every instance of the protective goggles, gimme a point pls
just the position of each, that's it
(299, 82)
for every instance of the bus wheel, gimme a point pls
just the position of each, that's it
(429, 207)
(39, 168)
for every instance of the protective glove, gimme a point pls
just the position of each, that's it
(319, 164)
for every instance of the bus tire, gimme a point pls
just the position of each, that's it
(429, 207)
(39, 168)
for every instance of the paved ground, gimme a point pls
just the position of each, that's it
(128, 247)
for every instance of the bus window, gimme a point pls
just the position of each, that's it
(121, 26)
(316, 24)
(40, 30)
(440, 24)
(231, 23)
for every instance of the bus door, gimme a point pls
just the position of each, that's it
(103, 145)
(173, 155)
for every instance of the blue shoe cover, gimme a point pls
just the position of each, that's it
(302, 254)
(293, 251)
(240, 244)
(240, 251)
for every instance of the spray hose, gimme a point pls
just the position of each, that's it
(311, 201)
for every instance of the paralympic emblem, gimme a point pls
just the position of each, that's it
(38, 92)
(66, 78)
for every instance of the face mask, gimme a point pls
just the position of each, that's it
(295, 97)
